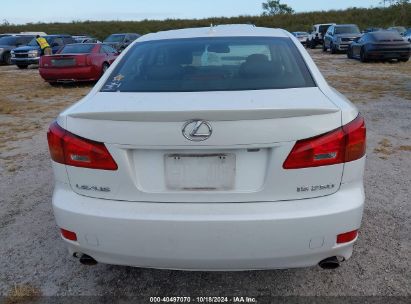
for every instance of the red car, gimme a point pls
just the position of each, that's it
(77, 62)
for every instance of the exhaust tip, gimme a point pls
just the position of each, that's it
(329, 263)
(87, 260)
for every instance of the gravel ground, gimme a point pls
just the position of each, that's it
(33, 259)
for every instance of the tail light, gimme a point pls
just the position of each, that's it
(342, 145)
(72, 150)
(69, 235)
(347, 237)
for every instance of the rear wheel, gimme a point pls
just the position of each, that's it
(54, 84)
(22, 67)
(332, 48)
(7, 58)
(312, 44)
(349, 53)
(363, 56)
(404, 59)
(324, 48)
(105, 67)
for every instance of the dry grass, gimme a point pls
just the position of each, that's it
(385, 148)
(28, 104)
(363, 82)
(405, 148)
(24, 293)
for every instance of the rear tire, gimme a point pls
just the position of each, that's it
(312, 44)
(324, 48)
(22, 67)
(105, 67)
(54, 84)
(363, 56)
(349, 53)
(332, 48)
(7, 59)
(403, 59)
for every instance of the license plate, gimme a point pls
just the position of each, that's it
(200, 171)
(63, 62)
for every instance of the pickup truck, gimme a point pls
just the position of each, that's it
(316, 37)
(30, 54)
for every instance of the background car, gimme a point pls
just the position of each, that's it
(34, 33)
(372, 29)
(30, 54)
(339, 37)
(407, 35)
(8, 43)
(85, 39)
(77, 62)
(380, 45)
(399, 29)
(121, 41)
(301, 36)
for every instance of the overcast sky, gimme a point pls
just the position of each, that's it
(23, 11)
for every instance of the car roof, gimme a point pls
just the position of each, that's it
(341, 25)
(233, 30)
(123, 34)
(87, 43)
(58, 35)
(385, 35)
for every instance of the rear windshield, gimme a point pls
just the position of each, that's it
(210, 64)
(347, 30)
(115, 38)
(386, 36)
(77, 49)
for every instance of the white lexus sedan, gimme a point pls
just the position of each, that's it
(217, 148)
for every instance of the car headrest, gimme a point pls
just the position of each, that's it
(156, 72)
(180, 56)
(258, 66)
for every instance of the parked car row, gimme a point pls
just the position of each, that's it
(85, 58)
(371, 44)
(73, 58)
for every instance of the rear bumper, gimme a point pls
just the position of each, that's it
(87, 73)
(388, 54)
(214, 236)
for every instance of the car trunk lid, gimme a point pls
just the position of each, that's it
(252, 134)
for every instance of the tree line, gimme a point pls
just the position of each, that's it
(363, 17)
